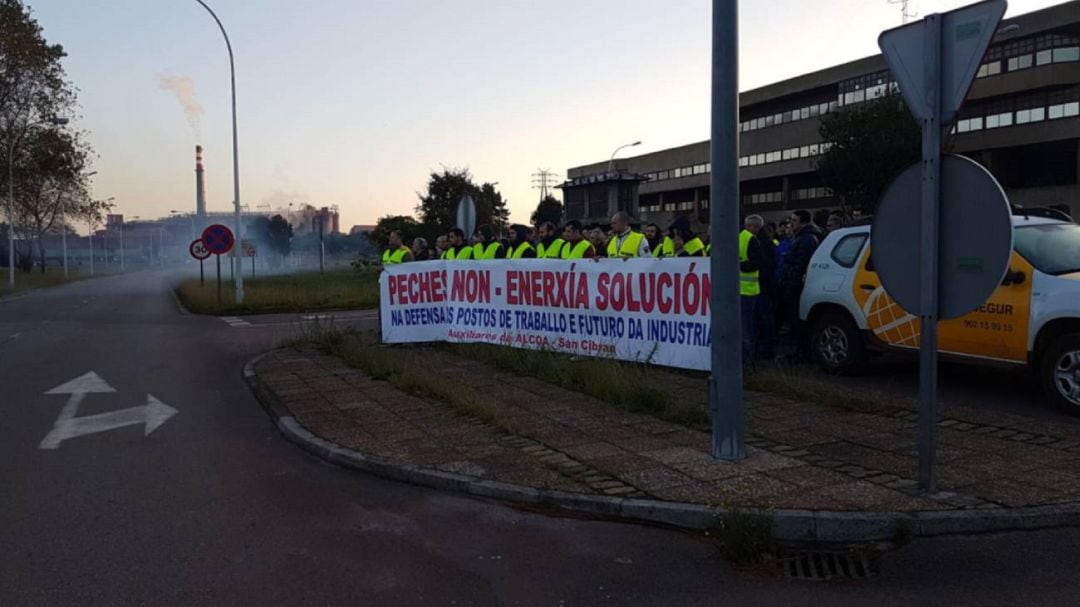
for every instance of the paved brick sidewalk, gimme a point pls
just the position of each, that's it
(801, 455)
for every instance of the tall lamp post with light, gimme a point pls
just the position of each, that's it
(611, 163)
(239, 276)
(11, 192)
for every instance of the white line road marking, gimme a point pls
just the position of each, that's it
(153, 414)
(16, 335)
(235, 322)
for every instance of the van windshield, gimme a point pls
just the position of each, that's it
(1053, 249)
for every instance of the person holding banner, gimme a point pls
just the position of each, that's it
(398, 252)
(519, 246)
(550, 245)
(457, 250)
(487, 246)
(686, 243)
(660, 244)
(577, 246)
(625, 242)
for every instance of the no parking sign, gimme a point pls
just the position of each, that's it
(218, 239)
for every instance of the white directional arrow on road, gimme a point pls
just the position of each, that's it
(152, 414)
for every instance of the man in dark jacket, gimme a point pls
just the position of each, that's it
(804, 241)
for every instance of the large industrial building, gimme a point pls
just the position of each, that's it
(1021, 119)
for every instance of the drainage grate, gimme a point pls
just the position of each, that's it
(820, 566)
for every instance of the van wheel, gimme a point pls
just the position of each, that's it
(837, 344)
(1060, 373)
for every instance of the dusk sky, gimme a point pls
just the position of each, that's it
(355, 102)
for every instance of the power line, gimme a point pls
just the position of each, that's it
(906, 12)
(544, 180)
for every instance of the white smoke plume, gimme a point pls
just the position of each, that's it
(184, 89)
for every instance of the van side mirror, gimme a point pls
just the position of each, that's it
(1013, 278)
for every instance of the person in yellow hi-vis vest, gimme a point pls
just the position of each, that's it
(660, 244)
(487, 247)
(457, 249)
(519, 247)
(625, 242)
(397, 252)
(749, 284)
(577, 246)
(549, 245)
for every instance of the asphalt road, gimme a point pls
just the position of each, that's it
(214, 507)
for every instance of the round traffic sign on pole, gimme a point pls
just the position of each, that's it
(975, 236)
(218, 239)
(198, 250)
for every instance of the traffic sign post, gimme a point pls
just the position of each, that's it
(218, 239)
(934, 62)
(199, 251)
(250, 250)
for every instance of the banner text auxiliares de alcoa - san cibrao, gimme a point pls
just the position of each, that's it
(625, 291)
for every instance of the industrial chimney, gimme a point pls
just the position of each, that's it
(200, 189)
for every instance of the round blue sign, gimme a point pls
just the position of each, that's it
(218, 239)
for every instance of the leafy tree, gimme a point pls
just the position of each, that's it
(47, 161)
(869, 145)
(437, 208)
(407, 226)
(549, 209)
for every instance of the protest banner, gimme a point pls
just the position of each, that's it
(641, 310)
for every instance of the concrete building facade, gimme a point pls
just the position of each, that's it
(1021, 119)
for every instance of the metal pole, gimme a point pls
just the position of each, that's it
(90, 239)
(236, 153)
(11, 213)
(122, 269)
(202, 279)
(928, 238)
(63, 240)
(219, 279)
(322, 248)
(725, 381)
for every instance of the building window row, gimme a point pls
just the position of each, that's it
(805, 151)
(810, 193)
(803, 113)
(1030, 52)
(676, 173)
(1018, 117)
(763, 198)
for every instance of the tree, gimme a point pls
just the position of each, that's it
(869, 145)
(279, 236)
(408, 227)
(549, 209)
(50, 187)
(437, 208)
(46, 161)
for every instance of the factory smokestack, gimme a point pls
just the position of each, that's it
(200, 189)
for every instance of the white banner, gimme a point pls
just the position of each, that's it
(643, 310)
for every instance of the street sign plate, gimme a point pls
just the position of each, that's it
(218, 238)
(198, 250)
(249, 248)
(466, 216)
(965, 34)
(975, 234)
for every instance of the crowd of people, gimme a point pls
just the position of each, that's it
(773, 260)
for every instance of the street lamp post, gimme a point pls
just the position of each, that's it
(611, 162)
(236, 153)
(11, 194)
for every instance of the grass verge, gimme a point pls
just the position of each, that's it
(362, 352)
(53, 277)
(633, 387)
(807, 385)
(307, 292)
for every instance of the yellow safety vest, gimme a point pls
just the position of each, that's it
(520, 250)
(465, 253)
(576, 251)
(694, 247)
(748, 281)
(483, 253)
(629, 248)
(666, 248)
(550, 252)
(397, 256)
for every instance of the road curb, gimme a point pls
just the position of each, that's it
(788, 525)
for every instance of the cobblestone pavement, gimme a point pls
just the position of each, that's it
(800, 455)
